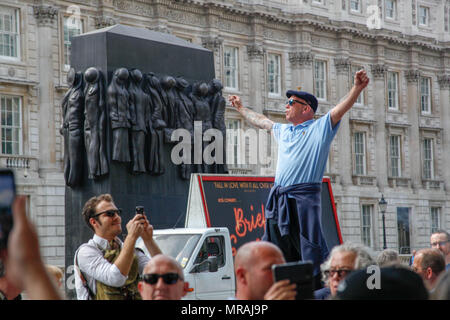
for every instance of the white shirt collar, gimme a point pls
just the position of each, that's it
(103, 243)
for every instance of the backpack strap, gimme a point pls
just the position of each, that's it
(91, 294)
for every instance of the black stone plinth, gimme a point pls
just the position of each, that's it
(164, 197)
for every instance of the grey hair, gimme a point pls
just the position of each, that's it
(387, 257)
(364, 257)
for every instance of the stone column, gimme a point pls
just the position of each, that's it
(256, 93)
(444, 85)
(378, 73)
(412, 77)
(342, 65)
(46, 17)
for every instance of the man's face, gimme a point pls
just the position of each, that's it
(299, 111)
(440, 241)
(105, 226)
(341, 264)
(417, 268)
(161, 290)
(259, 276)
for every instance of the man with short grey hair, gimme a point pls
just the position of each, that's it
(388, 257)
(440, 239)
(342, 260)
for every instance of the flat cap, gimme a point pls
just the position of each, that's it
(312, 101)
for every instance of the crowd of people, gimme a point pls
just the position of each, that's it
(112, 269)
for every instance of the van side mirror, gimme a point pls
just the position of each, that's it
(213, 266)
(211, 262)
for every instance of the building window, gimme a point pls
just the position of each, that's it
(274, 74)
(11, 122)
(366, 224)
(320, 79)
(9, 32)
(355, 5)
(425, 97)
(390, 9)
(233, 141)
(392, 79)
(230, 63)
(360, 153)
(424, 15)
(72, 27)
(428, 167)
(435, 213)
(394, 155)
(354, 70)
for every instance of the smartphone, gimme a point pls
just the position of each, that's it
(301, 273)
(139, 210)
(7, 195)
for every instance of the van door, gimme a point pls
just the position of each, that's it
(213, 285)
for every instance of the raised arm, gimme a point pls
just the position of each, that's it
(256, 119)
(361, 81)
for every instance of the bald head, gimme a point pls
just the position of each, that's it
(163, 265)
(253, 268)
(252, 251)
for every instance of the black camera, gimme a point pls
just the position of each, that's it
(139, 210)
(7, 195)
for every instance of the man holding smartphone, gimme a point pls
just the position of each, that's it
(106, 267)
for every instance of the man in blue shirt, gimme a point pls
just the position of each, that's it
(293, 209)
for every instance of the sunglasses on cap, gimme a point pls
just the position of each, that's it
(168, 278)
(291, 102)
(109, 213)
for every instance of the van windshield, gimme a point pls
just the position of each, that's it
(178, 246)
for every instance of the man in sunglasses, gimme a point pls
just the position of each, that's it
(293, 209)
(163, 280)
(106, 267)
(440, 239)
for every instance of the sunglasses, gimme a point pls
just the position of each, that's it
(291, 102)
(168, 278)
(340, 272)
(109, 213)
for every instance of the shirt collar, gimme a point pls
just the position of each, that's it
(302, 125)
(103, 243)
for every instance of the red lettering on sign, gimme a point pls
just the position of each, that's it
(244, 225)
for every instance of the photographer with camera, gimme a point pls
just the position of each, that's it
(106, 267)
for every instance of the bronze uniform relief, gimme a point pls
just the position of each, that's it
(118, 100)
(95, 123)
(72, 128)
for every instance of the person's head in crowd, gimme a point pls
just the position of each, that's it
(163, 279)
(429, 264)
(388, 257)
(102, 216)
(395, 282)
(442, 289)
(440, 239)
(342, 260)
(56, 273)
(253, 268)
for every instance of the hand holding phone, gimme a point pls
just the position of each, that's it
(300, 273)
(140, 210)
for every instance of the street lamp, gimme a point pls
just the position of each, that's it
(382, 205)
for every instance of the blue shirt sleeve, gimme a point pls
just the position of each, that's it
(276, 129)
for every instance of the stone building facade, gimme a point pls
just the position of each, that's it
(394, 142)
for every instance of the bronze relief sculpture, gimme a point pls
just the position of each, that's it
(72, 128)
(95, 123)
